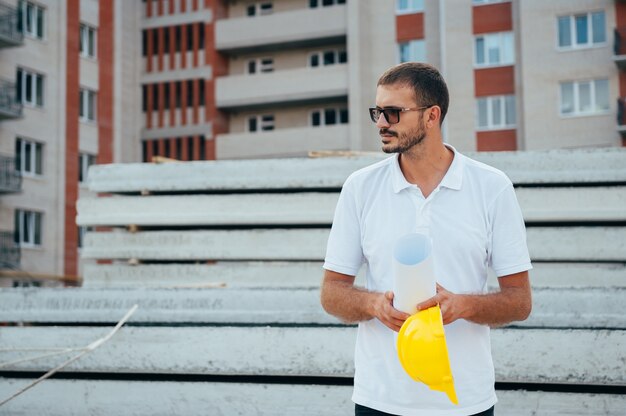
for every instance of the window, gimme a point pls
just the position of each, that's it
(324, 3)
(87, 106)
(260, 65)
(31, 19)
(28, 157)
(261, 123)
(409, 6)
(87, 41)
(412, 51)
(494, 49)
(27, 228)
(495, 113)
(29, 87)
(328, 57)
(84, 161)
(259, 9)
(329, 116)
(584, 97)
(581, 31)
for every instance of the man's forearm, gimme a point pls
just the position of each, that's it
(353, 304)
(497, 309)
(347, 302)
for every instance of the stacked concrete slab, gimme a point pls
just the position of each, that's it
(224, 260)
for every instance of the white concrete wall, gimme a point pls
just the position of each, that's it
(127, 115)
(457, 65)
(371, 50)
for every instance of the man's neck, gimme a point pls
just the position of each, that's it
(426, 164)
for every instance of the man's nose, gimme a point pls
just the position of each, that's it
(382, 121)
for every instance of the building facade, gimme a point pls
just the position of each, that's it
(97, 81)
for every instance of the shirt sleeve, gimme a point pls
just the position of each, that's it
(344, 253)
(509, 250)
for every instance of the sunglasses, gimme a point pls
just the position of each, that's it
(392, 114)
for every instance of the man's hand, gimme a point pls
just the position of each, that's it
(452, 305)
(513, 302)
(386, 313)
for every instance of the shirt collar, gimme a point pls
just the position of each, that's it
(453, 178)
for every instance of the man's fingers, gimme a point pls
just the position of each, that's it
(429, 303)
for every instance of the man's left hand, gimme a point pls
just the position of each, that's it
(451, 304)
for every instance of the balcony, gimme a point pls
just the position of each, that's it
(298, 86)
(10, 178)
(10, 35)
(293, 29)
(282, 142)
(10, 107)
(619, 55)
(10, 252)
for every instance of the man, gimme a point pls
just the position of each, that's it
(470, 212)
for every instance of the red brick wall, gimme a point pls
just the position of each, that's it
(106, 42)
(219, 65)
(72, 88)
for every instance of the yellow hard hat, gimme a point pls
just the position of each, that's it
(423, 351)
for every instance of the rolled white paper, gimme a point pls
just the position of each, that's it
(414, 277)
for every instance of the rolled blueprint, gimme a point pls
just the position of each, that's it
(414, 277)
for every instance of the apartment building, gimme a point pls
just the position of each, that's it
(522, 75)
(59, 123)
(94, 81)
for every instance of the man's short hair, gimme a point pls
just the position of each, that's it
(427, 83)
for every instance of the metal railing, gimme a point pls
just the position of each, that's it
(617, 42)
(10, 33)
(10, 178)
(10, 252)
(10, 106)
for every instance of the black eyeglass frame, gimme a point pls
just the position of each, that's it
(392, 114)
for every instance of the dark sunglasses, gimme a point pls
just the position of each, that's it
(392, 114)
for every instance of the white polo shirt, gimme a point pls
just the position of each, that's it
(475, 222)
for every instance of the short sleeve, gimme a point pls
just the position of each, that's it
(509, 250)
(344, 253)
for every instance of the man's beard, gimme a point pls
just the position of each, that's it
(405, 141)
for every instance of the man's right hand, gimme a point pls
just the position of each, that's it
(386, 313)
(351, 304)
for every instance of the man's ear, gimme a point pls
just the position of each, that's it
(434, 115)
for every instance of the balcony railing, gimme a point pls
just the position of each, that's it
(621, 117)
(291, 29)
(10, 33)
(10, 179)
(618, 54)
(303, 85)
(10, 106)
(10, 252)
